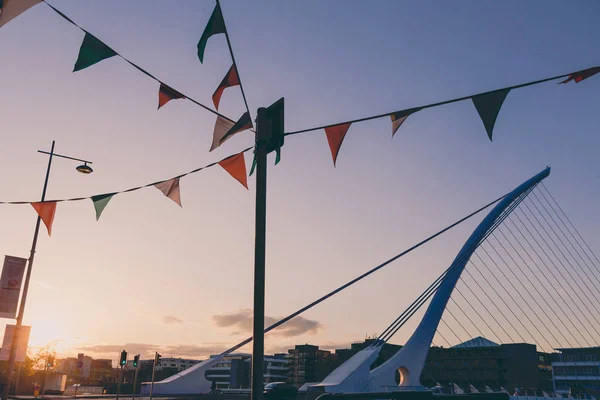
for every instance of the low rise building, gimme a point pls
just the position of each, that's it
(233, 371)
(483, 364)
(93, 371)
(307, 363)
(577, 371)
(179, 364)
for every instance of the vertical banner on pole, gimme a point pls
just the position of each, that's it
(21, 342)
(10, 285)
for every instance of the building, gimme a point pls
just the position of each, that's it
(478, 362)
(576, 371)
(93, 372)
(178, 364)
(233, 371)
(101, 371)
(309, 364)
(484, 364)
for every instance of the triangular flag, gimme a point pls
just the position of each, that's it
(100, 203)
(488, 106)
(236, 167)
(10, 9)
(215, 25)
(166, 94)
(581, 75)
(399, 117)
(46, 211)
(335, 137)
(231, 79)
(170, 189)
(92, 50)
(241, 125)
(222, 126)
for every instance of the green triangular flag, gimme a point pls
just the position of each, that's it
(215, 25)
(253, 164)
(92, 51)
(100, 203)
(278, 156)
(488, 106)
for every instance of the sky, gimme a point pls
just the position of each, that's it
(150, 275)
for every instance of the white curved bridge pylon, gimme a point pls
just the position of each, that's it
(355, 375)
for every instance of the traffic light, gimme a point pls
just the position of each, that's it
(136, 359)
(50, 361)
(123, 358)
(156, 358)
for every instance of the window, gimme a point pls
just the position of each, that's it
(589, 357)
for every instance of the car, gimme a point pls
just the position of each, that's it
(280, 390)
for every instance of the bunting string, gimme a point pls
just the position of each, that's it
(233, 60)
(234, 172)
(498, 93)
(94, 50)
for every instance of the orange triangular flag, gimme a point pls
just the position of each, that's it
(166, 94)
(581, 75)
(170, 189)
(231, 79)
(335, 137)
(236, 166)
(46, 212)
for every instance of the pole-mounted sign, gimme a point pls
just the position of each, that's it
(10, 285)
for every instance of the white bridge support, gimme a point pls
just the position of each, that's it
(186, 382)
(355, 374)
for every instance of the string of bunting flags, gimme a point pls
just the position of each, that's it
(487, 104)
(234, 165)
(93, 50)
(224, 129)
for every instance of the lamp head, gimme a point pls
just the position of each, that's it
(85, 169)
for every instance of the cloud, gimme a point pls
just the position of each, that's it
(241, 322)
(111, 351)
(191, 350)
(171, 320)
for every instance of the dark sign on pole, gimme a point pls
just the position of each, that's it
(10, 285)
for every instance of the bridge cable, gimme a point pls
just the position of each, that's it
(538, 292)
(548, 269)
(483, 305)
(353, 281)
(497, 222)
(502, 299)
(564, 267)
(520, 296)
(543, 195)
(566, 248)
(573, 226)
(548, 281)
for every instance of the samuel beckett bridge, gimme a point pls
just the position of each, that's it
(525, 275)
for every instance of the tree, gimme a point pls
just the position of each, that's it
(38, 362)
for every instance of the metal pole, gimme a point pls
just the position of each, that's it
(258, 343)
(153, 369)
(45, 378)
(119, 383)
(13, 348)
(77, 381)
(18, 377)
(135, 381)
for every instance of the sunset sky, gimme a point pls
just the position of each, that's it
(152, 276)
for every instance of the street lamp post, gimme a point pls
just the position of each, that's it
(86, 169)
